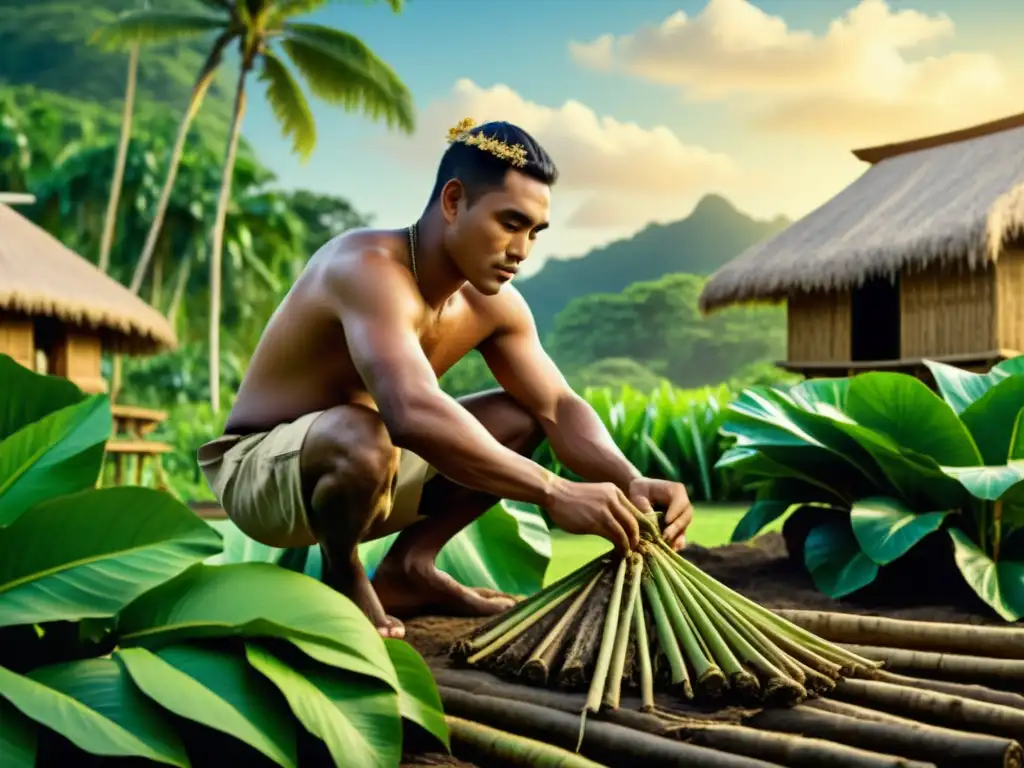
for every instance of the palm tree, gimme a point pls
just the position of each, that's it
(107, 241)
(337, 66)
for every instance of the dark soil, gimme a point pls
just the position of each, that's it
(924, 585)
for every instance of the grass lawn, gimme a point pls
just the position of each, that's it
(712, 526)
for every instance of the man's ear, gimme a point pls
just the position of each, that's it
(452, 194)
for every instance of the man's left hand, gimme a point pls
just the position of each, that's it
(645, 493)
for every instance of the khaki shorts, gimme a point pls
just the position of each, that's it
(258, 481)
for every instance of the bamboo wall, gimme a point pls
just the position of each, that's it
(17, 339)
(947, 311)
(1010, 299)
(818, 327)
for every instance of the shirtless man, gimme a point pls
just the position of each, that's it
(340, 433)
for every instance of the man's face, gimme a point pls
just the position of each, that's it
(489, 240)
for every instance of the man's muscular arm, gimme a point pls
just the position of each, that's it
(522, 367)
(576, 433)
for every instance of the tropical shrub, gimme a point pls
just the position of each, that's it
(118, 640)
(890, 462)
(668, 433)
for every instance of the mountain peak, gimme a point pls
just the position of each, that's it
(714, 233)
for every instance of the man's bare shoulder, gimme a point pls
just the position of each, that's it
(359, 261)
(507, 309)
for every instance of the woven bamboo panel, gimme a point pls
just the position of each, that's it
(1010, 299)
(947, 311)
(818, 326)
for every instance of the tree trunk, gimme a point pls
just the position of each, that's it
(179, 291)
(199, 90)
(122, 155)
(218, 239)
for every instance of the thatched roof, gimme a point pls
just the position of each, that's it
(41, 277)
(951, 199)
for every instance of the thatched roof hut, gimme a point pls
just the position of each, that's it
(919, 257)
(55, 302)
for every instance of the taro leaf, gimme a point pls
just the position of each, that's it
(835, 561)
(357, 717)
(915, 418)
(27, 396)
(418, 697)
(216, 688)
(823, 396)
(18, 736)
(254, 600)
(781, 464)
(990, 483)
(991, 420)
(59, 454)
(94, 705)
(507, 548)
(1000, 584)
(90, 554)
(239, 547)
(760, 514)
(960, 388)
(886, 530)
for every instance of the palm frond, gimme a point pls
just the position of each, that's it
(341, 69)
(289, 104)
(146, 26)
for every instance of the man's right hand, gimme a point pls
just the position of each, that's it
(600, 509)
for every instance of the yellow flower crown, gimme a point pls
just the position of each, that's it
(516, 155)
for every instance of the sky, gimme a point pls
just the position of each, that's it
(648, 105)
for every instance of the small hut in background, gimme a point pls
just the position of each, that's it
(922, 257)
(59, 313)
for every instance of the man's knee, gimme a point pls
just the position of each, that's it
(347, 456)
(506, 419)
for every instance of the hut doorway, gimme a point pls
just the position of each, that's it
(875, 319)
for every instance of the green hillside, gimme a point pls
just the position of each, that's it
(45, 43)
(711, 235)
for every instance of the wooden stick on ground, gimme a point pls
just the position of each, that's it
(1001, 642)
(943, 747)
(954, 666)
(481, 743)
(614, 745)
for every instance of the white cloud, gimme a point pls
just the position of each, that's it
(856, 81)
(600, 159)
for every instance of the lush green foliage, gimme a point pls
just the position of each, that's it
(667, 433)
(46, 44)
(658, 324)
(117, 638)
(891, 462)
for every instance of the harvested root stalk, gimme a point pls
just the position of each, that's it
(651, 619)
(482, 742)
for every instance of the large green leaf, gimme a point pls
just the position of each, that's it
(253, 600)
(18, 736)
(240, 548)
(357, 717)
(217, 688)
(507, 548)
(61, 453)
(886, 530)
(418, 697)
(835, 561)
(960, 388)
(91, 553)
(776, 464)
(27, 396)
(903, 408)
(760, 514)
(1000, 584)
(95, 706)
(991, 420)
(990, 483)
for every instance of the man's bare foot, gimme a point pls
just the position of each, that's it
(414, 586)
(358, 589)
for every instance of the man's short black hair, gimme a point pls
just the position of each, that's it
(480, 172)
